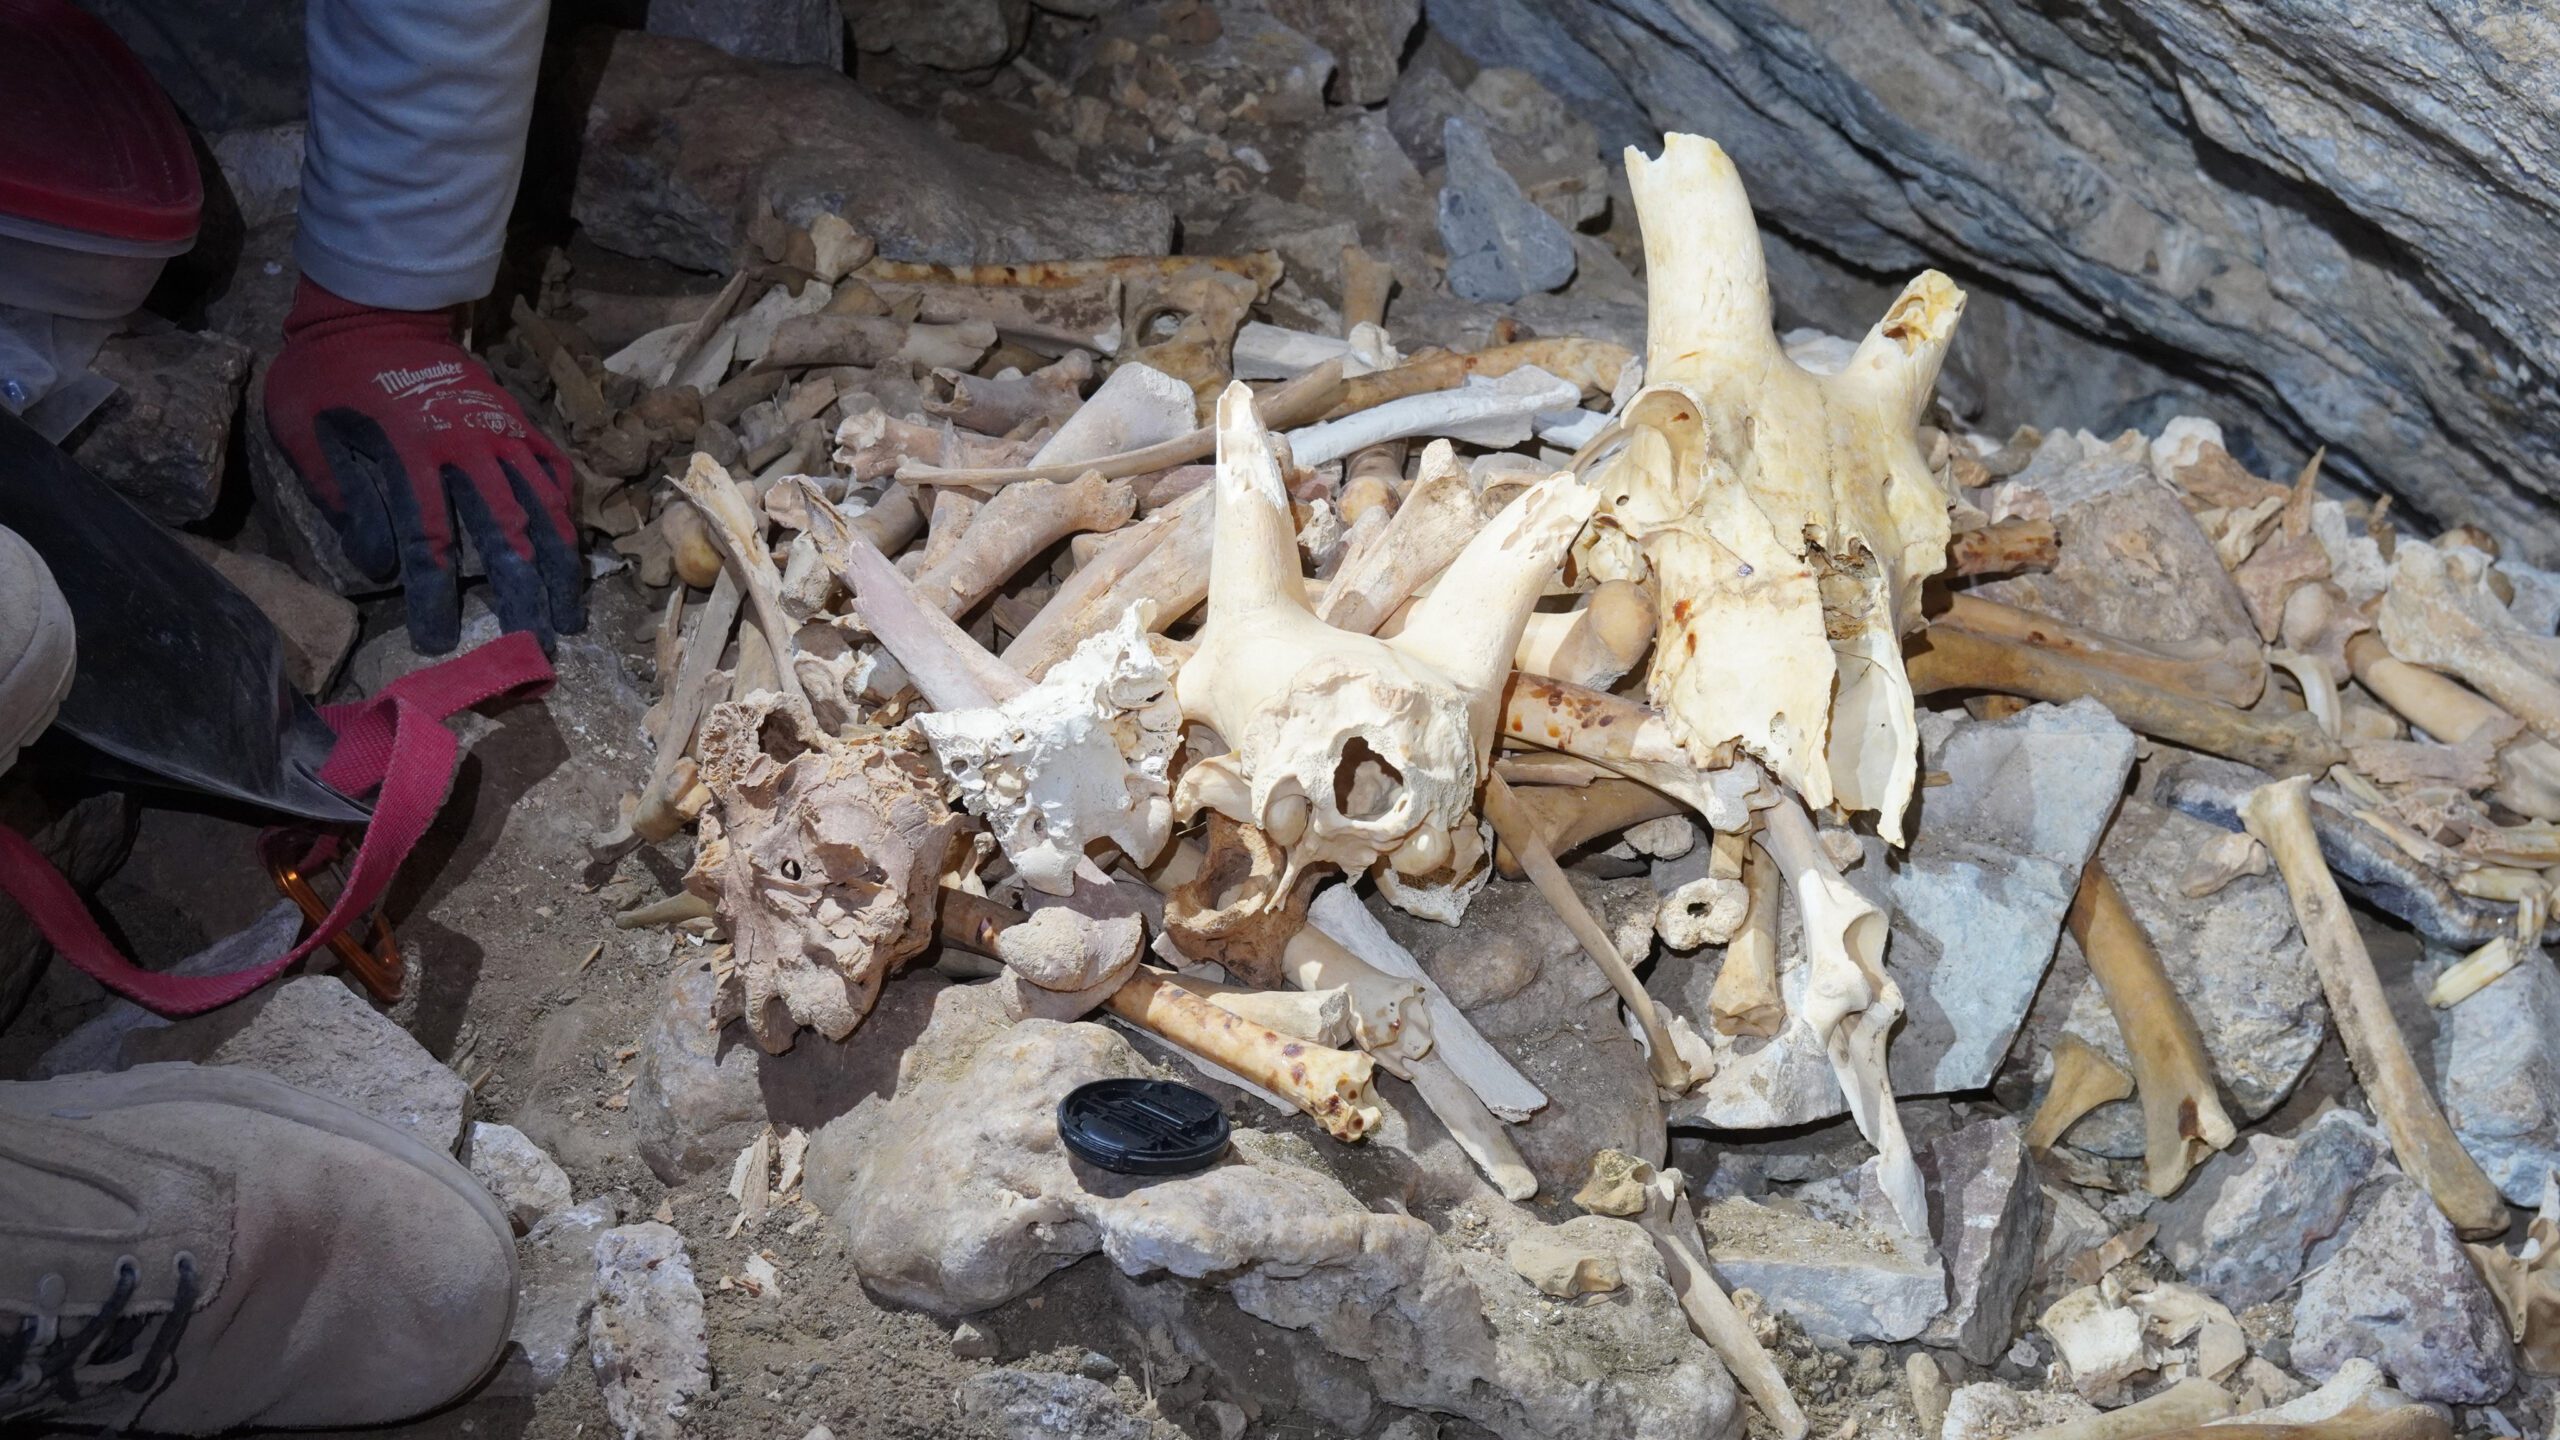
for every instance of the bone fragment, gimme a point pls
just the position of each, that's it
(1569, 817)
(2280, 816)
(1292, 402)
(1005, 404)
(1849, 999)
(1709, 910)
(1332, 1086)
(1469, 1123)
(1746, 999)
(2439, 612)
(689, 545)
(869, 340)
(1495, 412)
(1929, 1392)
(1350, 750)
(2526, 1284)
(2183, 1118)
(656, 814)
(737, 526)
(2231, 673)
(1322, 1017)
(2406, 1422)
(669, 910)
(1626, 737)
(1020, 523)
(2528, 769)
(2005, 547)
(1344, 925)
(1626, 1187)
(1513, 823)
(1595, 645)
(2465, 977)
(2191, 1402)
(1242, 905)
(1788, 518)
(1947, 658)
(2083, 1080)
(1436, 519)
(952, 671)
(1268, 352)
(2224, 858)
(1366, 283)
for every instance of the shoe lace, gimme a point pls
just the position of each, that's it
(106, 1338)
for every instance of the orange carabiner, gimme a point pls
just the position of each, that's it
(377, 965)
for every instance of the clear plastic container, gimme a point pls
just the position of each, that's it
(71, 272)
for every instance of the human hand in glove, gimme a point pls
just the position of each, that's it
(397, 432)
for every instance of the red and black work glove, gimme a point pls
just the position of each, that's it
(397, 431)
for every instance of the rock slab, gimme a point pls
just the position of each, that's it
(681, 148)
(163, 438)
(1041, 1405)
(2401, 1293)
(556, 1287)
(1843, 1279)
(316, 1033)
(2498, 1073)
(788, 32)
(2243, 1229)
(645, 1335)
(1988, 1211)
(1501, 245)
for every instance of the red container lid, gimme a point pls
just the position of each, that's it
(88, 141)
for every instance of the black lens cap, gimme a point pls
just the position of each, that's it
(1142, 1127)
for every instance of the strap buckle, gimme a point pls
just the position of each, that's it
(292, 855)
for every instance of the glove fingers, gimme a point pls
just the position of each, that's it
(351, 467)
(515, 587)
(543, 496)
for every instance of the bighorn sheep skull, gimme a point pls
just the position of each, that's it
(1788, 517)
(1347, 749)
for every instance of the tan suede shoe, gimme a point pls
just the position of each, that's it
(35, 646)
(187, 1249)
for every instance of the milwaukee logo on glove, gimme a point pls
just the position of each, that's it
(402, 384)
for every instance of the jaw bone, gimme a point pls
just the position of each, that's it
(1788, 518)
(1347, 749)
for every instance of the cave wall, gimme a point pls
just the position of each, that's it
(2337, 213)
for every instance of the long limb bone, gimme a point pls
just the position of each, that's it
(2231, 674)
(1437, 518)
(1626, 1187)
(2528, 769)
(1947, 658)
(1330, 1085)
(2183, 1118)
(1849, 1000)
(654, 815)
(1518, 829)
(1292, 402)
(1595, 645)
(1008, 531)
(1569, 816)
(737, 525)
(2280, 816)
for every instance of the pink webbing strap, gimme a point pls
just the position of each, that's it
(394, 743)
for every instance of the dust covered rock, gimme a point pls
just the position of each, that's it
(163, 438)
(645, 1335)
(2401, 1293)
(529, 1183)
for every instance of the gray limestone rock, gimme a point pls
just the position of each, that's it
(1044, 1405)
(529, 1183)
(2401, 1293)
(85, 839)
(163, 438)
(940, 34)
(1988, 1211)
(317, 1033)
(645, 1335)
(1843, 1278)
(2234, 956)
(1977, 902)
(956, 1196)
(556, 1287)
(2498, 1073)
(681, 147)
(696, 1101)
(2334, 212)
(1366, 38)
(2246, 1224)
(787, 32)
(1990, 1410)
(99, 1043)
(318, 626)
(1501, 245)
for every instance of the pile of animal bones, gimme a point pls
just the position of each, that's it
(990, 665)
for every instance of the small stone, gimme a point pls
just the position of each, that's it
(646, 1334)
(2100, 1342)
(972, 1341)
(1501, 245)
(163, 438)
(1229, 1419)
(1988, 1211)
(2498, 1070)
(1991, 1411)
(316, 1033)
(526, 1181)
(696, 1102)
(2245, 1226)
(556, 1286)
(941, 34)
(1366, 38)
(1034, 1405)
(1562, 1260)
(2401, 1292)
(1843, 1282)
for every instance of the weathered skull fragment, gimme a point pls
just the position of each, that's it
(1787, 517)
(821, 856)
(1347, 749)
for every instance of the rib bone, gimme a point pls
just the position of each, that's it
(2280, 816)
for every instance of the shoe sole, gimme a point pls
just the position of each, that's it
(34, 681)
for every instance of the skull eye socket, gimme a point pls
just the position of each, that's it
(790, 869)
(1364, 784)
